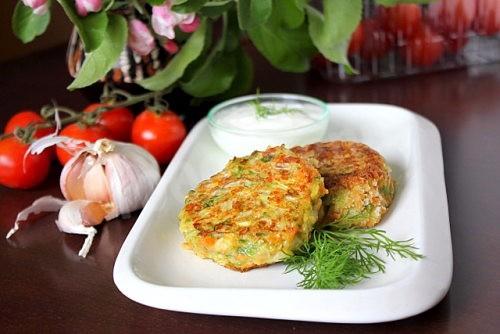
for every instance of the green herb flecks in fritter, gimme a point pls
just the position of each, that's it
(359, 182)
(255, 211)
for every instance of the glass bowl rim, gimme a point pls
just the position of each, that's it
(283, 96)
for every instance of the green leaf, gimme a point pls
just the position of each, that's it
(155, 2)
(176, 67)
(216, 73)
(214, 9)
(293, 12)
(244, 77)
(213, 77)
(98, 62)
(91, 28)
(26, 24)
(187, 6)
(331, 32)
(253, 13)
(388, 3)
(286, 49)
(231, 33)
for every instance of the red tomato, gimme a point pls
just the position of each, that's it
(89, 133)
(456, 43)
(487, 20)
(160, 134)
(402, 20)
(24, 118)
(319, 62)
(376, 41)
(17, 172)
(425, 48)
(452, 16)
(356, 41)
(118, 121)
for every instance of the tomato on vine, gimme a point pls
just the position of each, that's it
(160, 133)
(89, 133)
(118, 121)
(18, 171)
(25, 118)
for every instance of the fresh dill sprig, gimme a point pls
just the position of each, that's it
(338, 257)
(262, 111)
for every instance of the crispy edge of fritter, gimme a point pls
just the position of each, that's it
(324, 156)
(315, 204)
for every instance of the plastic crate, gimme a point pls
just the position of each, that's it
(409, 39)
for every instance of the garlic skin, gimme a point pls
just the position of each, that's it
(120, 174)
(73, 218)
(43, 204)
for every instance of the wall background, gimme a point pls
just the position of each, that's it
(57, 33)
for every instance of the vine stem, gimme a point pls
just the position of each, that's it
(75, 116)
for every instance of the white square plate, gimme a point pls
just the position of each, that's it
(153, 269)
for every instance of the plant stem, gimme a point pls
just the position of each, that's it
(75, 116)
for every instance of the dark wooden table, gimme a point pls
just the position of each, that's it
(45, 286)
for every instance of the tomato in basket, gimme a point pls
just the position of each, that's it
(374, 42)
(425, 48)
(487, 21)
(402, 20)
(452, 16)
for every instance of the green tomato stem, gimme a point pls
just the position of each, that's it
(75, 116)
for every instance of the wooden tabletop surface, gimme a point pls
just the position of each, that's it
(46, 287)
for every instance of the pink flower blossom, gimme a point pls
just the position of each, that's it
(171, 47)
(190, 27)
(39, 7)
(164, 20)
(83, 7)
(140, 38)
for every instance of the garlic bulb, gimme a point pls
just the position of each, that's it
(102, 181)
(121, 175)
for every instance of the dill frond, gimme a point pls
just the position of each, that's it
(338, 256)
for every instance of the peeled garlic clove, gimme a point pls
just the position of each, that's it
(95, 184)
(71, 179)
(43, 204)
(77, 217)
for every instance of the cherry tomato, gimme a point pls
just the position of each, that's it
(425, 48)
(356, 41)
(23, 119)
(319, 62)
(89, 133)
(160, 134)
(376, 41)
(487, 20)
(18, 172)
(118, 121)
(456, 43)
(452, 16)
(402, 19)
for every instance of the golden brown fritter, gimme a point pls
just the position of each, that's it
(255, 211)
(359, 183)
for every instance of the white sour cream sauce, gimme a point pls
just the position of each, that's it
(239, 131)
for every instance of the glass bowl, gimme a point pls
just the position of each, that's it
(244, 124)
